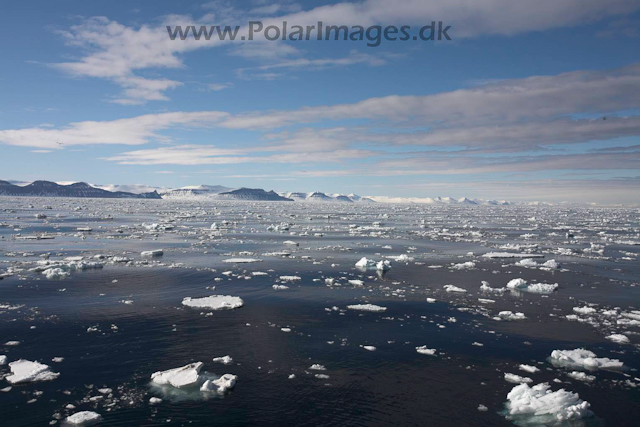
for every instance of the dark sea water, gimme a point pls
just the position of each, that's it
(393, 385)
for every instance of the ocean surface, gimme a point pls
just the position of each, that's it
(117, 322)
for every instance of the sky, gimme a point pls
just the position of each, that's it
(529, 100)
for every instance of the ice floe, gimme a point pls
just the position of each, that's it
(214, 302)
(24, 371)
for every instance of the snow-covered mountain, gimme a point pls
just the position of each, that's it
(318, 196)
(439, 201)
(253, 194)
(195, 192)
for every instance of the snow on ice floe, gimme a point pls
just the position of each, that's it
(581, 358)
(214, 302)
(367, 307)
(452, 288)
(24, 371)
(538, 405)
(84, 418)
(280, 287)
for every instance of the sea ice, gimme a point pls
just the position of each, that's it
(452, 288)
(178, 377)
(366, 307)
(225, 360)
(83, 418)
(516, 379)
(538, 405)
(23, 371)
(619, 338)
(427, 351)
(214, 302)
(582, 359)
(221, 385)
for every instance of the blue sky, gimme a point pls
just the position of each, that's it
(529, 101)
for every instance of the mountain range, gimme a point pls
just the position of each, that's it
(210, 192)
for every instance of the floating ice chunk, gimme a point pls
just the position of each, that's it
(536, 288)
(452, 288)
(356, 282)
(225, 360)
(400, 258)
(12, 343)
(214, 302)
(366, 263)
(285, 329)
(584, 310)
(24, 371)
(527, 263)
(509, 315)
(56, 274)
(384, 265)
(581, 376)
(290, 242)
(221, 385)
(156, 252)
(511, 255)
(516, 379)
(431, 300)
(3, 359)
(280, 287)
(551, 264)
(317, 367)
(290, 278)
(469, 265)
(538, 405)
(366, 307)
(619, 338)
(482, 408)
(486, 288)
(541, 288)
(583, 359)
(155, 400)
(426, 351)
(241, 260)
(179, 377)
(529, 368)
(369, 348)
(83, 418)
(517, 283)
